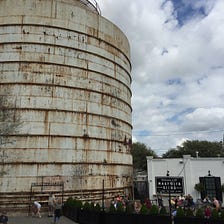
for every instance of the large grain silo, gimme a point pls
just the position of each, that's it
(65, 72)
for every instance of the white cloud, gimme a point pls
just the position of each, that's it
(181, 142)
(203, 119)
(177, 70)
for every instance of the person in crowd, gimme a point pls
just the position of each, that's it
(181, 197)
(114, 202)
(160, 200)
(137, 207)
(208, 212)
(172, 202)
(107, 205)
(189, 201)
(51, 201)
(174, 213)
(36, 209)
(4, 218)
(207, 200)
(216, 204)
(176, 202)
(147, 203)
(119, 198)
(181, 201)
(58, 210)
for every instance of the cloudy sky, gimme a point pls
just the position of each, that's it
(177, 54)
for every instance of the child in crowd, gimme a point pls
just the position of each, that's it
(208, 212)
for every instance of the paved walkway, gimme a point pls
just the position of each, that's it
(43, 220)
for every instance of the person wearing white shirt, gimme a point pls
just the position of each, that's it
(37, 207)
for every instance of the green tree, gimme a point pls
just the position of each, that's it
(139, 152)
(199, 187)
(203, 148)
(173, 153)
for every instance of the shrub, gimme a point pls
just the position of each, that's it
(215, 214)
(199, 213)
(97, 207)
(69, 202)
(92, 206)
(163, 211)
(144, 210)
(130, 208)
(199, 187)
(120, 208)
(112, 209)
(154, 210)
(189, 213)
(78, 204)
(222, 215)
(180, 212)
(86, 206)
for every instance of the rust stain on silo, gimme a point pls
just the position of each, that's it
(69, 82)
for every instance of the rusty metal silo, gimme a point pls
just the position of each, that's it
(66, 72)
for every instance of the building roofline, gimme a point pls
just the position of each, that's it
(92, 5)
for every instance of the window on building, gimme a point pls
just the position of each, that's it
(212, 187)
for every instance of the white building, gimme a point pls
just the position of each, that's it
(189, 170)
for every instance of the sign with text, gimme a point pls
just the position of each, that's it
(172, 185)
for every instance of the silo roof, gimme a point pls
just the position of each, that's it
(92, 5)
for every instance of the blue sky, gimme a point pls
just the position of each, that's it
(177, 56)
(186, 10)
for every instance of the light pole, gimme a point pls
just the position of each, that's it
(196, 154)
(103, 196)
(168, 174)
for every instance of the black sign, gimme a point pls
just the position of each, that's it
(172, 185)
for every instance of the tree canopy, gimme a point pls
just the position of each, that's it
(139, 152)
(194, 148)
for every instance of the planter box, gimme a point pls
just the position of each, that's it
(89, 217)
(195, 220)
(65, 211)
(214, 221)
(71, 213)
(122, 218)
(152, 219)
(187, 220)
(93, 217)
(117, 218)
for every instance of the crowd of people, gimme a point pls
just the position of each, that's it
(182, 201)
(188, 202)
(125, 203)
(122, 200)
(54, 208)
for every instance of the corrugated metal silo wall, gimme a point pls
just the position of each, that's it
(67, 75)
